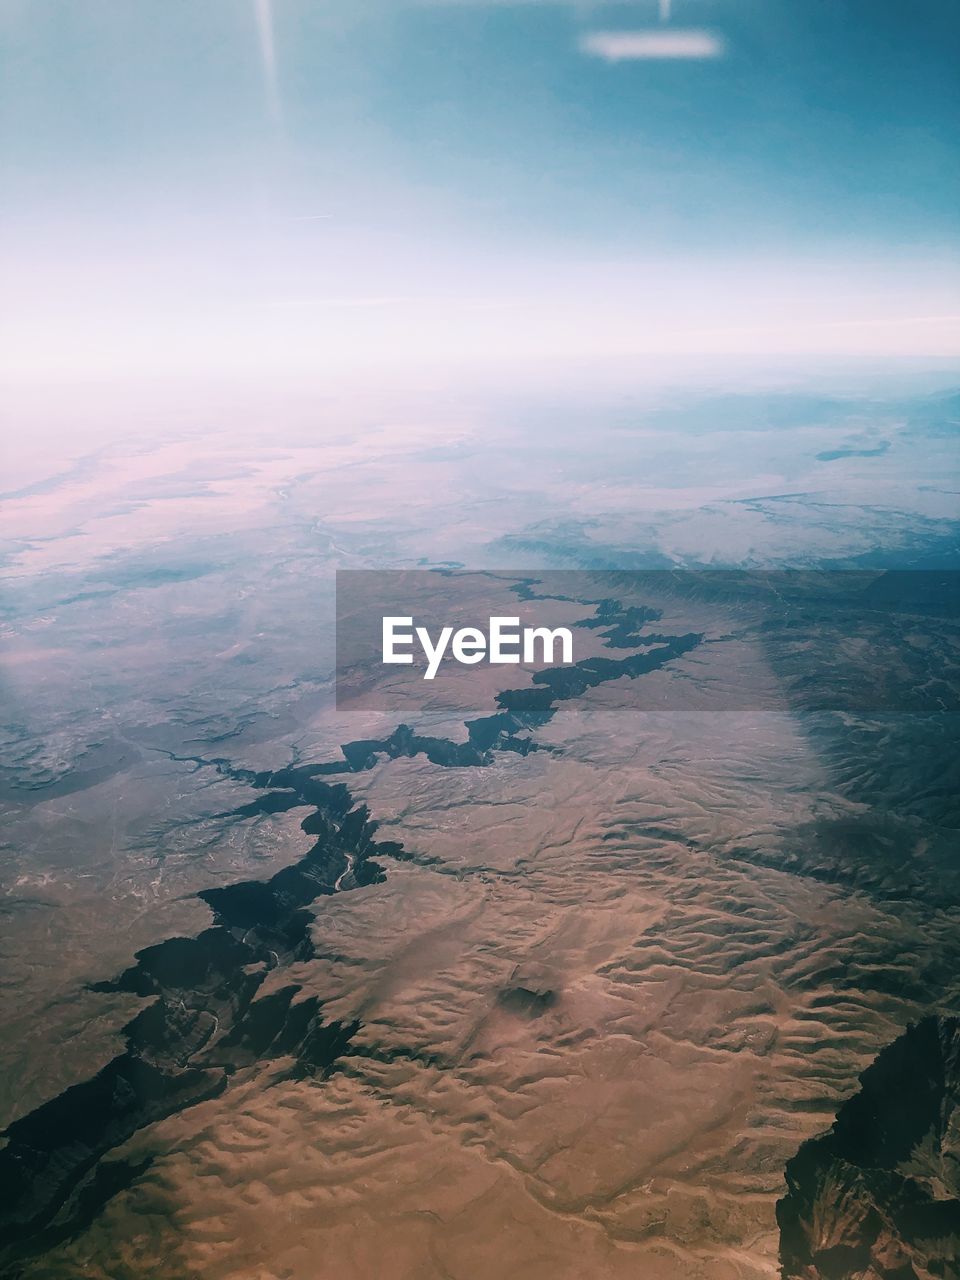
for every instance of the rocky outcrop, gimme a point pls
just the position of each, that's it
(210, 1016)
(878, 1197)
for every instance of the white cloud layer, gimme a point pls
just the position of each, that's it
(629, 46)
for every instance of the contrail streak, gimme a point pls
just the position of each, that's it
(268, 57)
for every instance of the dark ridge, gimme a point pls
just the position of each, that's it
(207, 1020)
(363, 755)
(876, 853)
(832, 455)
(878, 1197)
(203, 1025)
(531, 991)
(571, 682)
(525, 710)
(621, 626)
(530, 701)
(527, 1002)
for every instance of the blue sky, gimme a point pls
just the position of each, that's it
(200, 182)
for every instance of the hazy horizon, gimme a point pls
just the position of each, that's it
(474, 188)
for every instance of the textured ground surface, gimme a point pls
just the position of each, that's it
(471, 1008)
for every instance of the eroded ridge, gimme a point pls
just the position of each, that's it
(208, 1018)
(878, 1197)
(206, 1022)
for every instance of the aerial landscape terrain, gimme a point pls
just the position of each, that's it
(555, 971)
(632, 326)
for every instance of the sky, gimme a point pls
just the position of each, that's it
(357, 187)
